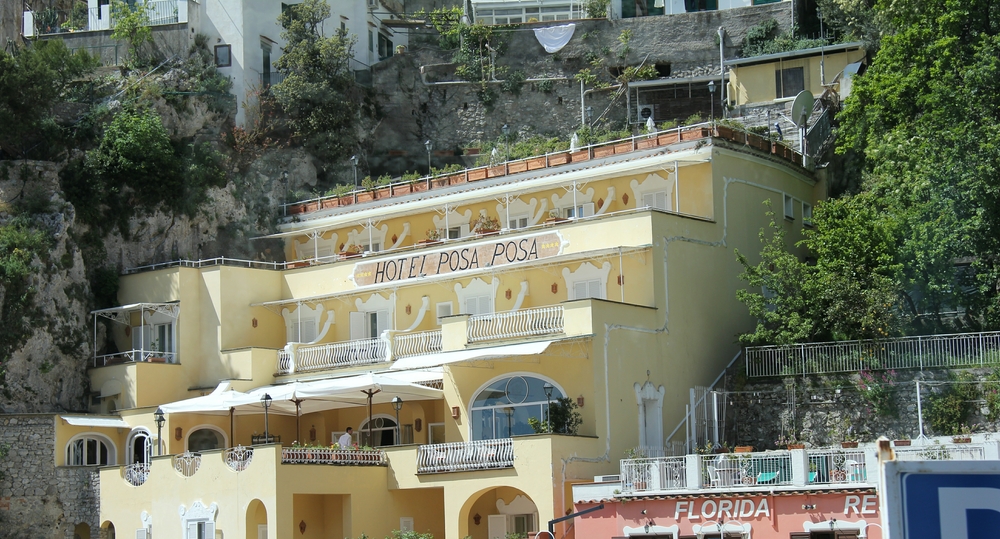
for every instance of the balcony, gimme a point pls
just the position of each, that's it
(297, 357)
(52, 21)
(796, 468)
(132, 356)
(416, 344)
(329, 456)
(465, 456)
(513, 324)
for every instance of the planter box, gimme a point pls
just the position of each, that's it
(666, 138)
(331, 202)
(471, 151)
(456, 179)
(849, 445)
(366, 196)
(429, 242)
(901, 443)
(555, 220)
(536, 163)
(725, 132)
(439, 182)
(743, 449)
(961, 439)
(419, 186)
(493, 172)
(796, 446)
(517, 166)
(603, 151)
(646, 144)
(155, 359)
(383, 192)
(477, 174)
(401, 189)
(624, 147)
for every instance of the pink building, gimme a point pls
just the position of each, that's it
(831, 513)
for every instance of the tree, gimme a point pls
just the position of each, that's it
(319, 94)
(132, 25)
(31, 79)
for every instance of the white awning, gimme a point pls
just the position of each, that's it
(95, 421)
(444, 358)
(334, 393)
(219, 401)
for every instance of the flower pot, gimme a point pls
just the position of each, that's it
(901, 443)
(796, 446)
(962, 439)
(666, 138)
(366, 196)
(720, 450)
(517, 166)
(725, 132)
(561, 159)
(603, 151)
(624, 147)
(477, 174)
(849, 445)
(536, 163)
(493, 172)
(743, 449)
(471, 151)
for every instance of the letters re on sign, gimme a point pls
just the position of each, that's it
(472, 257)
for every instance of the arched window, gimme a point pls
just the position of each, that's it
(383, 432)
(204, 439)
(140, 447)
(503, 407)
(90, 450)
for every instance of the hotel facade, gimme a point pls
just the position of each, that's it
(438, 319)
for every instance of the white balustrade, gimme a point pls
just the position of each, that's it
(316, 357)
(726, 470)
(188, 463)
(511, 324)
(942, 452)
(928, 351)
(416, 344)
(239, 458)
(466, 456)
(130, 356)
(323, 455)
(136, 474)
(653, 474)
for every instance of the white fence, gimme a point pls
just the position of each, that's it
(465, 456)
(416, 344)
(323, 455)
(662, 473)
(331, 355)
(747, 469)
(942, 452)
(521, 323)
(137, 474)
(239, 458)
(834, 466)
(129, 356)
(931, 351)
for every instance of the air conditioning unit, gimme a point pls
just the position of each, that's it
(644, 113)
(607, 478)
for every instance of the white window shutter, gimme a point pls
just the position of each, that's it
(382, 321)
(358, 326)
(661, 200)
(596, 290)
(209, 530)
(579, 290)
(465, 230)
(192, 531)
(587, 209)
(649, 199)
(472, 306)
(443, 310)
(293, 332)
(262, 531)
(141, 534)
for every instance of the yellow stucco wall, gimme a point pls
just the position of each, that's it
(756, 83)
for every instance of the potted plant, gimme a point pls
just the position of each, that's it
(351, 251)
(903, 441)
(554, 216)
(485, 224)
(789, 441)
(850, 440)
(433, 236)
(743, 449)
(964, 435)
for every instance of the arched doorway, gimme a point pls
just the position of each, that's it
(256, 520)
(107, 530)
(206, 438)
(140, 447)
(499, 511)
(81, 531)
(383, 431)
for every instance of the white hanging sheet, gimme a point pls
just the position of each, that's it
(554, 38)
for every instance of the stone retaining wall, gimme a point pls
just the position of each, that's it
(37, 499)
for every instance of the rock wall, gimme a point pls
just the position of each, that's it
(447, 112)
(37, 499)
(822, 409)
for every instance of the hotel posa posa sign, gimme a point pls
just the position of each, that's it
(501, 252)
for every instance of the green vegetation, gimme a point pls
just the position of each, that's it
(563, 418)
(949, 411)
(21, 241)
(596, 9)
(323, 104)
(132, 26)
(765, 38)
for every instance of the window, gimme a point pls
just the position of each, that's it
(521, 524)
(435, 433)
(383, 432)
(286, 9)
(200, 529)
(443, 310)
(371, 40)
(788, 82)
(163, 338)
(789, 207)
(89, 450)
(384, 46)
(807, 214)
(373, 248)
(588, 289)
(205, 439)
(523, 396)
(302, 329)
(223, 56)
(140, 447)
(343, 28)
(581, 210)
(517, 222)
(454, 233)
(368, 324)
(478, 305)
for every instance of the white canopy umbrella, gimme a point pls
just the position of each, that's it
(220, 401)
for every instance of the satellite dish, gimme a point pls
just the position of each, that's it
(802, 107)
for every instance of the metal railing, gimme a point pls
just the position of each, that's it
(675, 449)
(746, 469)
(833, 466)
(510, 324)
(928, 351)
(465, 456)
(187, 463)
(942, 452)
(332, 355)
(651, 474)
(208, 262)
(137, 474)
(131, 356)
(239, 458)
(322, 455)
(162, 11)
(416, 344)
(271, 78)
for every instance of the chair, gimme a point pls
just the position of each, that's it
(812, 476)
(767, 477)
(713, 476)
(855, 473)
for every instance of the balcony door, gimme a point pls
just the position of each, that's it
(383, 432)
(368, 324)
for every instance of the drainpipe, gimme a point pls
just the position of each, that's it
(722, 69)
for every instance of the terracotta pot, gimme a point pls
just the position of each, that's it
(493, 172)
(666, 138)
(725, 132)
(961, 439)
(419, 186)
(536, 163)
(623, 147)
(383, 192)
(743, 449)
(477, 174)
(645, 144)
(517, 166)
(331, 202)
(603, 151)
(796, 446)
(439, 182)
(849, 445)
(366, 196)
(455, 179)
(901, 443)
(401, 189)
(561, 159)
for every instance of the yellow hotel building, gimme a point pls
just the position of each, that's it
(435, 318)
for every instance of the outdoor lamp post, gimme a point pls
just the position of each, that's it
(266, 401)
(354, 163)
(284, 195)
(590, 115)
(711, 92)
(397, 403)
(160, 420)
(506, 142)
(430, 146)
(547, 387)
(509, 412)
